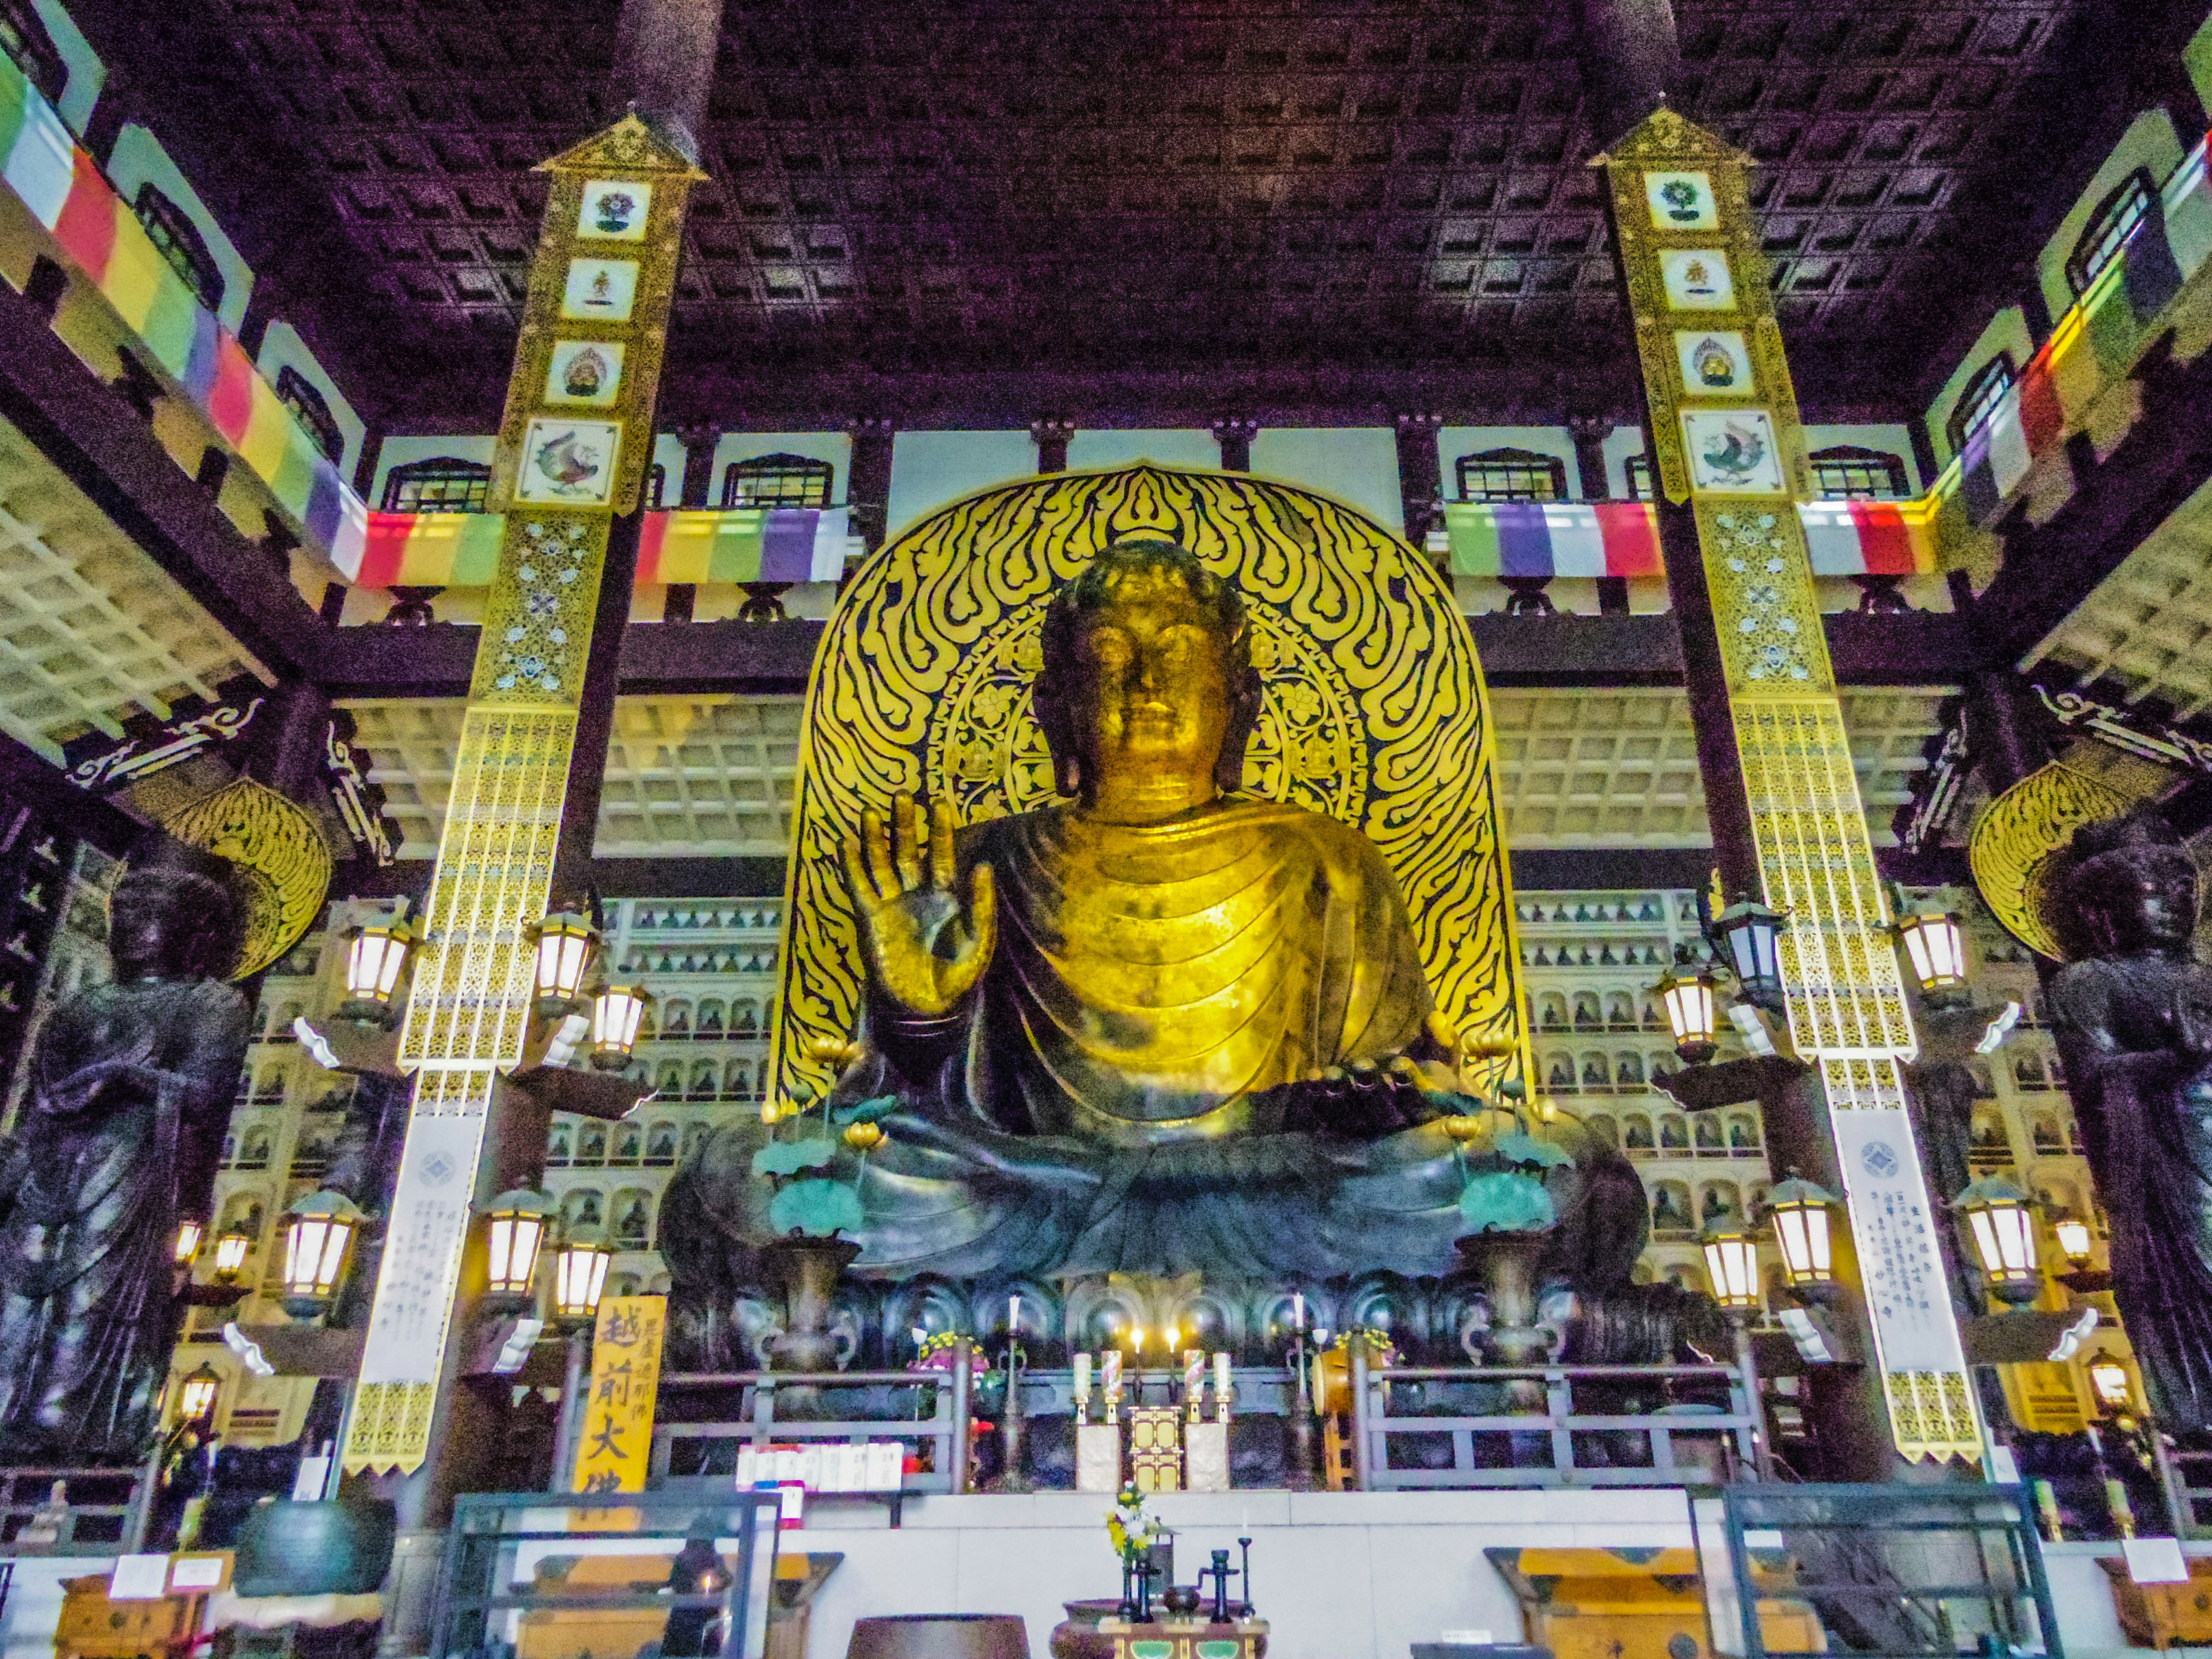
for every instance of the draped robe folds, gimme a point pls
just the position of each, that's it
(1152, 982)
(130, 1089)
(2144, 1099)
(1112, 1095)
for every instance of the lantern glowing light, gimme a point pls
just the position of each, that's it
(197, 1397)
(516, 1232)
(2003, 1225)
(375, 960)
(190, 1232)
(2074, 1241)
(1802, 1213)
(1748, 934)
(565, 943)
(1936, 948)
(2108, 1381)
(1732, 1264)
(580, 1275)
(319, 1231)
(1686, 995)
(618, 1016)
(231, 1249)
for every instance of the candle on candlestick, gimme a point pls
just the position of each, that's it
(1082, 1389)
(1221, 1385)
(1110, 1376)
(1193, 1382)
(1014, 1315)
(1298, 1311)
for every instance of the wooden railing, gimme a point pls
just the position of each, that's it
(1546, 1442)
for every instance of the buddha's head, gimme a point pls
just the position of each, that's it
(1147, 676)
(2132, 889)
(175, 914)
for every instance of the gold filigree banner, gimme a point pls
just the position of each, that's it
(1374, 710)
(573, 449)
(1725, 427)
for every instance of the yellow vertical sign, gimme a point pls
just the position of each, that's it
(1728, 442)
(615, 1451)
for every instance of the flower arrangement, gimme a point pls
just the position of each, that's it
(1128, 1529)
(1382, 1352)
(814, 1199)
(935, 1354)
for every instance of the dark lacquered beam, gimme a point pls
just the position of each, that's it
(1920, 648)
(105, 447)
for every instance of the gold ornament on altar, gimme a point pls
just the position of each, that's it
(1371, 711)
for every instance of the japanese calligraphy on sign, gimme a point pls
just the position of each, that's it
(617, 1438)
(1906, 1289)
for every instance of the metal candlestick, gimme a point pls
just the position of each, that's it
(1299, 1477)
(1013, 1428)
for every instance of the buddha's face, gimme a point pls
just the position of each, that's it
(2142, 902)
(1151, 698)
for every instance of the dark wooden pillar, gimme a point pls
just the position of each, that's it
(868, 481)
(1420, 475)
(1589, 433)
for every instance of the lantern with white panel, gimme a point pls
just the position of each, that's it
(2000, 1220)
(1693, 1014)
(565, 943)
(514, 1233)
(1802, 1215)
(318, 1233)
(376, 961)
(618, 1016)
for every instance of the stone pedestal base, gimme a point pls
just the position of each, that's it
(1098, 1457)
(1205, 1456)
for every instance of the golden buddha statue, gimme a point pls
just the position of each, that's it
(1155, 961)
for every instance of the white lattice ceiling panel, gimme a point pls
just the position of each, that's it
(92, 630)
(2149, 623)
(1617, 766)
(687, 777)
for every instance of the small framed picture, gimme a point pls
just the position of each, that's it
(1716, 362)
(599, 290)
(568, 463)
(1696, 279)
(614, 210)
(587, 372)
(1732, 452)
(1680, 201)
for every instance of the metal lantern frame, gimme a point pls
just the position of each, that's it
(197, 1394)
(377, 957)
(2001, 1220)
(1803, 1217)
(1935, 945)
(2076, 1242)
(233, 1246)
(2110, 1383)
(1748, 937)
(580, 1275)
(319, 1234)
(1732, 1265)
(1688, 993)
(564, 945)
(516, 1223)
(190, 1232)
(618, 1018)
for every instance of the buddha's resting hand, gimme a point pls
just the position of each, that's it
(925, 948)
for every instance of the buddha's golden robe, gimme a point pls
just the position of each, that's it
(1151, 983)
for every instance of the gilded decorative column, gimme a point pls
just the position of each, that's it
(1729, 449)
(573, 446)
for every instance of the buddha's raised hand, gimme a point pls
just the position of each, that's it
(926, 949)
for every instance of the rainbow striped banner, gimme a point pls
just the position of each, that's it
(743, 545)
(94, 229)
(1870, 539)
(2093, 346)
(427, 549)
(1546, 540)
(740, 544)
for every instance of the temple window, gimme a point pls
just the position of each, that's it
(778, 480)
(1983, 392)
(1511, 475)
(1848, 473)
(2108, 230)
(298, 394)
(178, 240)
(441, 485)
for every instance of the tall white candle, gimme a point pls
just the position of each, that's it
(1298, 1311)
(1014, 1317)
(1111, 1375)
(1221, 1378)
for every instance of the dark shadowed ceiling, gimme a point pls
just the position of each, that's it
(1129, 209)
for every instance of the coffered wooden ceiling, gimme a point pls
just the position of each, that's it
(1253, 203)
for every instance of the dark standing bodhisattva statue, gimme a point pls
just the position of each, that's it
(120, 1133)
(2133, 1015)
